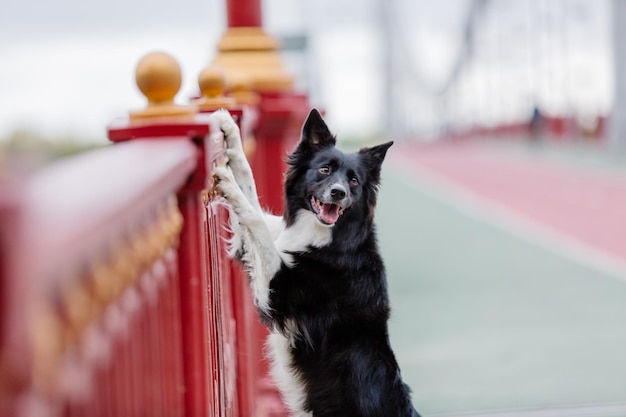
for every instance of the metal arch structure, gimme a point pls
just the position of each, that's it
(396, 59)
(482, 88)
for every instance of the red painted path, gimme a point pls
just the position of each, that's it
(583, 203)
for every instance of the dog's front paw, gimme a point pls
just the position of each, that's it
(222, 181)
(225, 122)
(225, 185)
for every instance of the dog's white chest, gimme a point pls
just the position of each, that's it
(306, 232)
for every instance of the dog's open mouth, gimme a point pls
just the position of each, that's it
(327, 213)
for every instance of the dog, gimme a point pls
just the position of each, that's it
(317, 276)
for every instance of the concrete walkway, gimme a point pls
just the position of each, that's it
(507, 301)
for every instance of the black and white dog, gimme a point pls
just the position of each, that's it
(317, 276)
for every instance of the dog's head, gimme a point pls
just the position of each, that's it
(332, 184)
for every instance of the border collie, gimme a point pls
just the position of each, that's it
(317, 276)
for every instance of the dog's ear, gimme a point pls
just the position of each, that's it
(375, 155)
(315, 133)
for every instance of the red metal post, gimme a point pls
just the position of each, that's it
(281, 116)
(16, 354)
(243, 13)
(195, 308)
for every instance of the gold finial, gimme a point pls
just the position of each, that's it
(252, 54)
(241, 91)
(159, 77)
(212, 83)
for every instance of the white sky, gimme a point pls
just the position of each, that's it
(67, 66)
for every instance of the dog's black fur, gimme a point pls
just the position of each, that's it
(336, 295)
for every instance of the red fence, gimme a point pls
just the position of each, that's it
(552, 128)
(91, 322)
(116, 293)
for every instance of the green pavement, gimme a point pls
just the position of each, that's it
(486, 320)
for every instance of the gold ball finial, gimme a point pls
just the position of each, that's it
(159, 77)
(212, 83)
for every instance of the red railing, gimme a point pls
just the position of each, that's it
(550, 128)
(91, 308)
(118, 297)
(116, 293)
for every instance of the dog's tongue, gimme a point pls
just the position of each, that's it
(329, 213)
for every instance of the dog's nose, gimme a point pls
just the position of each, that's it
(337, 192)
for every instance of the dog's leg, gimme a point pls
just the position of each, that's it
(236, 157)
(242, 172)
(289, 382)
(258, 252)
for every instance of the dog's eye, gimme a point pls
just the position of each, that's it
(324, 170)
(354, 181)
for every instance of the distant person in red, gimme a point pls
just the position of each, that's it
(536, 124)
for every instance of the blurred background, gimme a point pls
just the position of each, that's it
(410, 69)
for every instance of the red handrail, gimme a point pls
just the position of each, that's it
(91, 318)
(78, 204)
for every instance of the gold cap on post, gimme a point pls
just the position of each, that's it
(242, 93)
(159, 77)
(250, 54)
(212, 83)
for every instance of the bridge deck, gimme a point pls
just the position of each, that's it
(508, 278)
